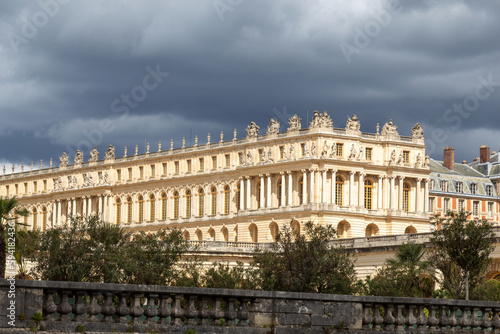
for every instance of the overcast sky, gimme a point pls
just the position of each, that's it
(76, 74)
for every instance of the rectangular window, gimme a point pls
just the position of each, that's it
(153, 170)
(489, 190)
(460, 204)
(44, 185)
(141, 174)
(35, 187)
(188, 165)
(17, 189)
(340, 150)
(26, 188)
(130, 173)
(303, 150)
(473, 188)
(164, 167)
(282, 152)
(459, 187)
(444, 185)
(118, 175)
(475, 208)
(241, 158)
(228, 160)
(214, 162)
(431, 185)
(406, 157)
(368, 153)
(7, 190)
(176, 167)
(490, 209)
(446, 206)
(202, 164)
(431, 204)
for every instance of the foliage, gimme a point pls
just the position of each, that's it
(306, 263)
(489, 290)
(26, 249)
(223, 276)
(461, 251)
(8, 221)
(406, 275)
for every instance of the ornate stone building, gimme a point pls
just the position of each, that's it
(363, 184)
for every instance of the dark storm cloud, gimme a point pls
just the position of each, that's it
(232, 62)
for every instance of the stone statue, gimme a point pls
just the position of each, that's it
(103, 178)
(426, 161)
(393, 157)
(78, 158)
(333, 153)
(352, 155)
(249, 158)
(58, 184)
(270, 156)
(418, 160)
(94, 155)
(252, 130)
(321, 120)
(291, 152)
(262, 156)
(361, 155)
(417, 132)
(389, 129)
(400, 159)
(63, 160)
(353, 124)
(273, 127)
(72, 184)
(284, 153)
(87, 180)
(313, 149)
(326, 148)
(242, 158)
(306, 150)
(110, 152)
(294, 123)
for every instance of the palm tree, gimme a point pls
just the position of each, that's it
(418, 272)
(8, 215)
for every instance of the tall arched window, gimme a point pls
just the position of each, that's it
(238, 196)
(211, 233)
(406, 197)
(201, 202)
(295, 225)
(343, 229)
(35, 218)
(253, 232)
(186, 235)
(141, 209)
(118, 211)
(227, 194)
(279, 193)
(339, 191)
(199, 235)
(129, 210)
(152, 207)
(273, 227)
(371, 230)
(188, 203)
(368, 194)
(163, 206)
(176, 205)
(44, 218)
(225, 233)
(301, 190)
(213, 194)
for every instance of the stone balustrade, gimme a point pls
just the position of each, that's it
(138, 308)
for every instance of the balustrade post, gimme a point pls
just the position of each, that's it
(475, 321)
(178, 312)
(219, 312)
(165, 310)
(151, 311)
(496, 320)
(367, 317)
(192, 312)
(443, 319)
(231, 313)
(50, 307)
(206, 312)
(433, 320)
(79, 307)
(400, 320)
(411, 320)
(377, 317)
(243, 314)
(421, 320)
(452, 320)
(389, 319)
(465, 321)
(487, 322)
(123, 310)
(93, 309)
(136, 310)
(108, 309)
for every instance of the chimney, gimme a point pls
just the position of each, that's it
(449, 157)
(484, 154)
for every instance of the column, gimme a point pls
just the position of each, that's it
(54, 214)
(249, 189)
(283, 185)
(312, 195)
(361, 192)
(334, 186)
(393, 193)
(84, 212)
(426, 196)
(351, 189)
(323, 190)
(59, 213)
(304, 186)
(290, 188)
(70, 212)
(262, 199)
(99, 210)
(242, 194)
(90, 206)
(379, 188)
(268, 190)
(418, 205)
(73, 210)
(400, 193)
(105, 207)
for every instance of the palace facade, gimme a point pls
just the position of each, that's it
(363, 184)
